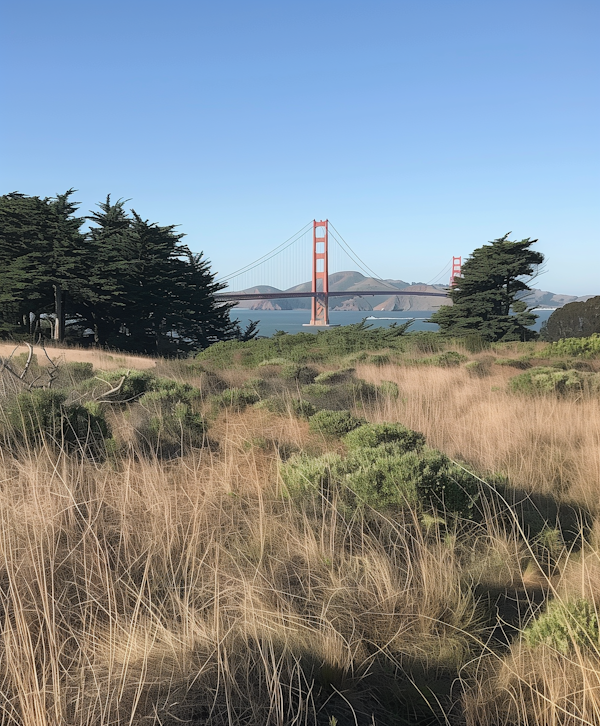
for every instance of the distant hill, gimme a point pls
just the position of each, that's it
(350, 280)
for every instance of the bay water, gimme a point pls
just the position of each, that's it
(294, 321)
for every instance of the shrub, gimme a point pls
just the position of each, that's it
(389, 389)
(78, 370)
(274, 362)
(300, 374)
(316, 390)
(237, 398)
(334, 423)
(371, 435)
(302, 408)
(384, 476)
(41, 415)
(303, 474)
(274, 404)
(577, 347)
(545, 380)
(478, 368)
(565, 626)
(332, 377)
(449, 359)
(521, 363)
(380, 359)
(135, 384)
(475, 343)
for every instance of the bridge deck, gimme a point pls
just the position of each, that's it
(336, 293)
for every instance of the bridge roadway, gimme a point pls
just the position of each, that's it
(336, 293)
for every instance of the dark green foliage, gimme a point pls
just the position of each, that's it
(43, 416)
(135, 383)
(299, 373)
(132, 282)
(302, 408)
(486, 296)
(574, 320)
(566, 626)
(333, 423)
(371, 435)
(236, 398)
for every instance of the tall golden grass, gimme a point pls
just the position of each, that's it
(139, 591)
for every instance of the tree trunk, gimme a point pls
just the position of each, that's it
(59, 309)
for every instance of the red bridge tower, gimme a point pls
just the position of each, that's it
(320, 271)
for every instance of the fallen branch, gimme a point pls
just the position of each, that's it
(113, 391)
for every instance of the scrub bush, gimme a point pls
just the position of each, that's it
(565, 626)
(371, 435)
(333, 423)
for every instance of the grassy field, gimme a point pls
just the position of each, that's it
(258, 536)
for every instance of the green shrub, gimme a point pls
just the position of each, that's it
(380, 359)
(135, 384)
(389, 389)
(425, 342)
(298, 373)
(382, 477)
(565, 626)
(333, 377)
(274, 362)
(478, 368)
(237, 398)
(274, 404)
(42, 415)
(522, 363)
(546, 380)
(316, 390)
(370, 435)
(78, 370)
(302, 408)
(576, 347)
(449, 359)
(303, 474)
(475, 343)
(334, 423)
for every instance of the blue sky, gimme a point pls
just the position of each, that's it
(422, 129)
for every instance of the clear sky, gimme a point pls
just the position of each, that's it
(421, 128)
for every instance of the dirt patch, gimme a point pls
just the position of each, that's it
(100, 359)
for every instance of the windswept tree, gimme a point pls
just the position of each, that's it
(39, 243)
(487, 296)
(132, 282)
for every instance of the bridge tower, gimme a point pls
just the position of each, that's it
(456, 269)
(320, 271)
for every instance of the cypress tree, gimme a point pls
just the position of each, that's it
(486, 297)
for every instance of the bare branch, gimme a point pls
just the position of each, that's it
(113, 391)
(29, 359)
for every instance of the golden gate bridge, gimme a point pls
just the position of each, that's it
(320, 290)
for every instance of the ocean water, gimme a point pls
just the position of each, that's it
(293, 321)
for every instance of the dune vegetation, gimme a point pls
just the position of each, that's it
(358, 526)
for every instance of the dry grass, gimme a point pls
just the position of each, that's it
(142, 591)
(544, 444)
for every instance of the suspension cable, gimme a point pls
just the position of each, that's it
(358, 260)
(277, 250)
